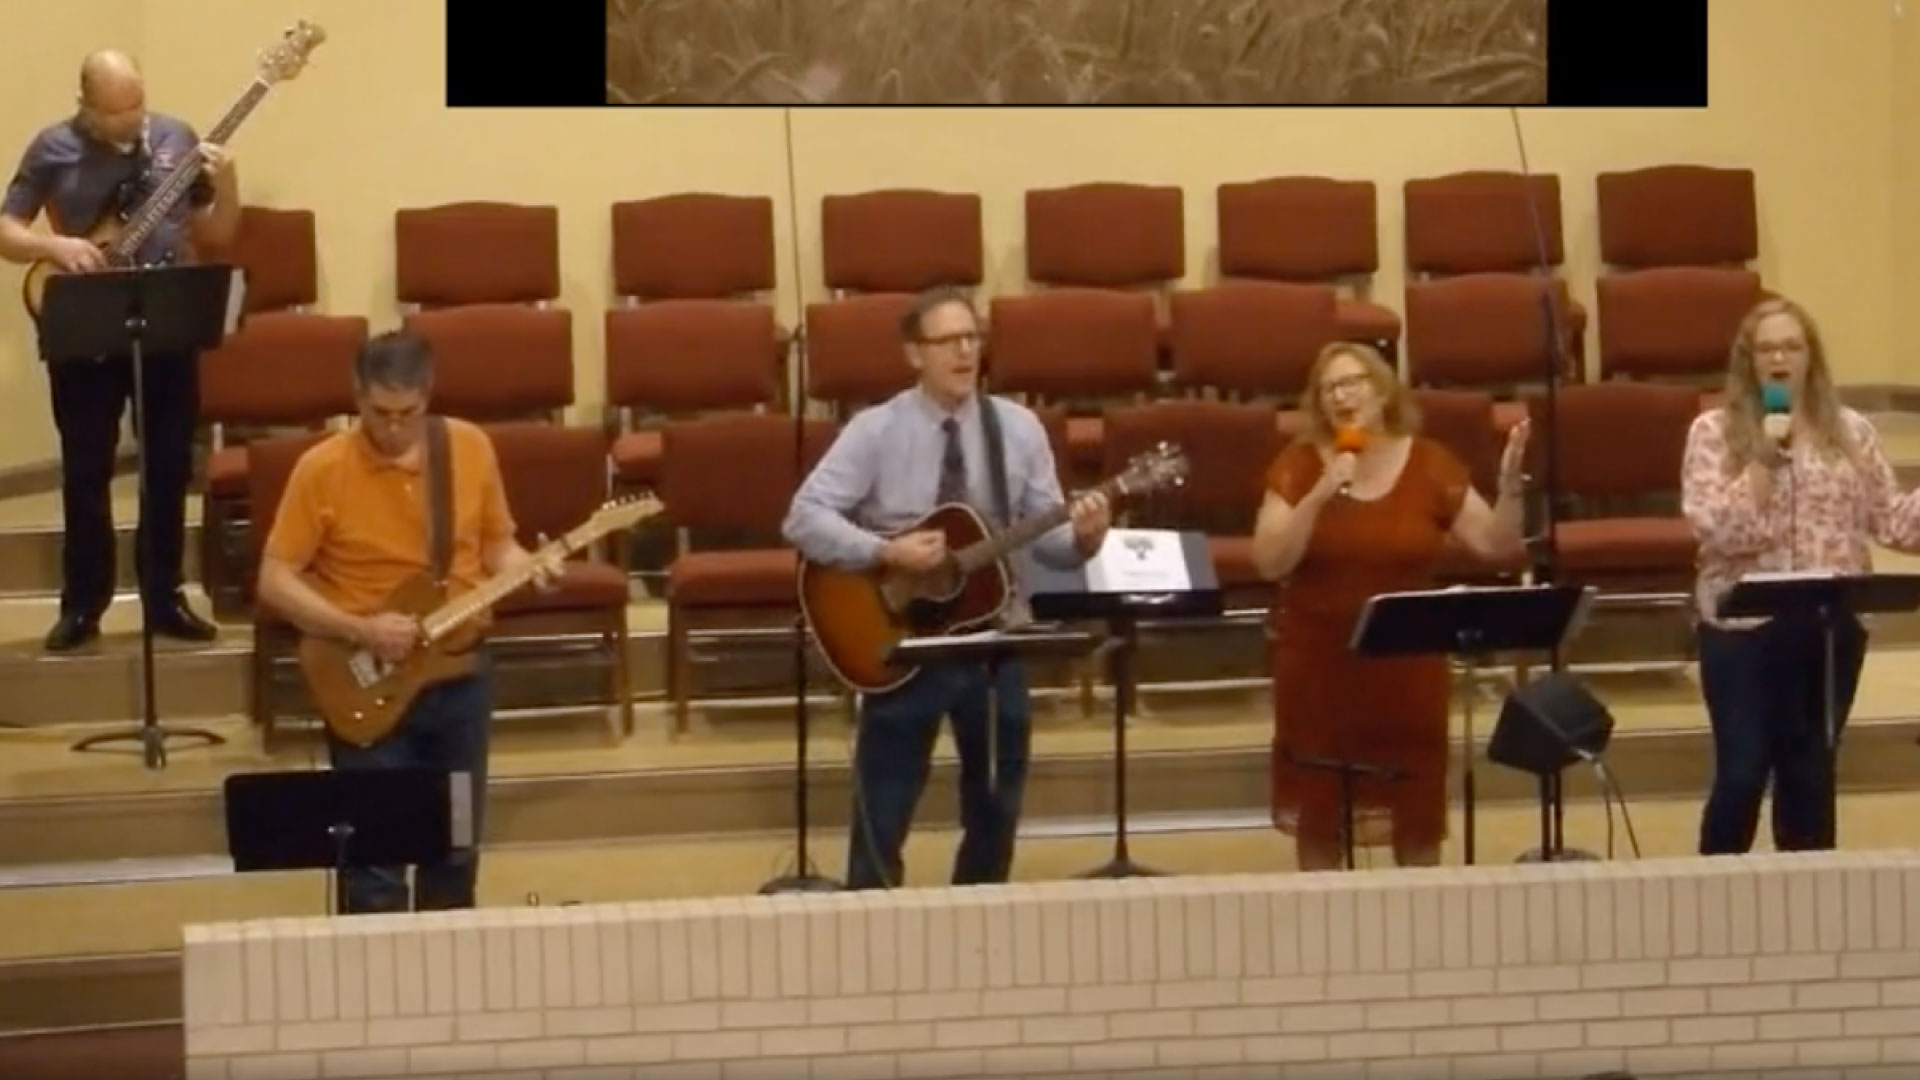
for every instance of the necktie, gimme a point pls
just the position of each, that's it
(953, 467)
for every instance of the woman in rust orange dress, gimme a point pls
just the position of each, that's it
(1359, 506)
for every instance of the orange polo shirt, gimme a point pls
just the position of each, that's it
(355, 523)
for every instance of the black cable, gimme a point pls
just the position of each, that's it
(1619, 796)
(1546, 561)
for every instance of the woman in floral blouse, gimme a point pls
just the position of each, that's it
(1807, 488)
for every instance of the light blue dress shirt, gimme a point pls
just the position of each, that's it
(883, 473)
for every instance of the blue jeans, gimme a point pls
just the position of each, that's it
(895, 754)
(1764, 699)
(446, 728)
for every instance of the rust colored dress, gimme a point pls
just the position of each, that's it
(1328, 701)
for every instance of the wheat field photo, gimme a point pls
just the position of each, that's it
(1076, 52)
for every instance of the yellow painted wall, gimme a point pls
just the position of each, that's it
(1812, 95)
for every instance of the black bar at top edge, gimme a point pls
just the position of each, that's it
(1627, 53)
(539, 57)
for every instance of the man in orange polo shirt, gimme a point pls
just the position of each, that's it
(352, 527)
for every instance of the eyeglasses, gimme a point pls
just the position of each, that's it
(1351, 382)
(964, 339)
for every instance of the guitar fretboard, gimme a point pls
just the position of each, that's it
(149, 216)
(983, 552)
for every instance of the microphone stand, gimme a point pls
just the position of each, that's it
(804, 878)
(1547, 555)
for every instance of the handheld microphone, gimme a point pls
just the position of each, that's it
(1349, 440)
(1777, 400)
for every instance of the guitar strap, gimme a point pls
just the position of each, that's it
(996, 460)
(1017, 613)
(439, 498)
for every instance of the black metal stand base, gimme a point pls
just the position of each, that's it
(1533, 855)
(1124, 641)
(1120, 866)
(805, 880)
(152, 741)
(799, 883)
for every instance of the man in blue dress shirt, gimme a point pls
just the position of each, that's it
(890, 466)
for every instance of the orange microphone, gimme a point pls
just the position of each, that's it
(1349, 440)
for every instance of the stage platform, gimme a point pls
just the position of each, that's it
(124, 854)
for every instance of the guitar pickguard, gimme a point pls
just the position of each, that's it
(367, 668)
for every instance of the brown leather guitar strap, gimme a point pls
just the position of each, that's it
(439, 498)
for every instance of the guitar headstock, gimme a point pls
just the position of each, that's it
(1163, 466)
(288, 57)
(622, 513)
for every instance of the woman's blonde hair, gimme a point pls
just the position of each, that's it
(1398, 412)
(1744, 408)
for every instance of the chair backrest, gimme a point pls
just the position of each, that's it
(1229, 448)
(1253, 337)
(853, 350)
(693, 245)
(1617, 442)
(1106, 235)
(1678, 215)
(476, 253)
(498, 361)
(1672, 321)
(736, 471)
(677, 356)
(270, 465)
(1463, 422)
(1484, 330)
(900, 240)
(1478, 222)
(555, 476)
(1073, 342)
(278, 251)
(282, 368)
(1298, 228)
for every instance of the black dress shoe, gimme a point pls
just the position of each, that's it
(173, 618)
(71, 632)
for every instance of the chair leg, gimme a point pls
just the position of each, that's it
(623, 675)
(678, 663)
(259, 669)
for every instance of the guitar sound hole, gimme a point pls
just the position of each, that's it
(925, 615)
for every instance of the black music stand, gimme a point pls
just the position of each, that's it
(1349, 773)
(86, 318)
(1470, 624)
(1093, 593)
(335, 820)
(992, 648)
(1823, 600)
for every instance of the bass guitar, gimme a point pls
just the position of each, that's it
(858, 616)
(119, 232)
(361, 697)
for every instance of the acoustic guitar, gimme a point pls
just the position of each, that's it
(858, 616)
(361, 698)
(120, 231)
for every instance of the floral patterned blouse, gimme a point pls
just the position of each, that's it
(1823, 514)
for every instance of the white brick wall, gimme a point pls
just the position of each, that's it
(1660, 967)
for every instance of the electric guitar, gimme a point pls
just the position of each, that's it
(120, 233)
(858, 616)
(362, 698)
